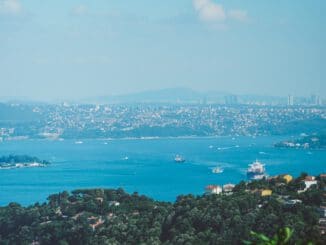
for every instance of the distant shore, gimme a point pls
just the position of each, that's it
(21, 161)
(145, 138)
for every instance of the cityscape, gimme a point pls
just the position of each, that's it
(65, 121)
(150, 122)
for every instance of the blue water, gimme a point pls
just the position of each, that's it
(149, 169)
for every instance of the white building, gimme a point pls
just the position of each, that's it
(114, 203)
(213, 189)
(310, 181)
(228, 187)
(290, 100)
(322, 212)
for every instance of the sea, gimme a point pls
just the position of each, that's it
(146, 165)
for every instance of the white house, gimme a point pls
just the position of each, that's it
(114, 203)
(228, 187)
(309, 181)
(213, 189)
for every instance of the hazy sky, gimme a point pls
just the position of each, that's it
(73, 48)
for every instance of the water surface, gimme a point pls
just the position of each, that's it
(149, 169)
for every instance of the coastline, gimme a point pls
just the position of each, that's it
(145, 138)
(7, 166)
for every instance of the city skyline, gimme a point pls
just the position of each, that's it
(180, 95)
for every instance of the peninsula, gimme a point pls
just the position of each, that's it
(21, 161)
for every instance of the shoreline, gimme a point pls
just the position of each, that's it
(146, 138)
(7, 166)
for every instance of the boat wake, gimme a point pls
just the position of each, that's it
(227, 148)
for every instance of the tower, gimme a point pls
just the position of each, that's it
(290, 100)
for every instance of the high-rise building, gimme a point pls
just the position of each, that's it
(290, 100)
(231, 100)
(315, 100)
(319, 101)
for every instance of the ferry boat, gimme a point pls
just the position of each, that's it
(256, 171)
(179, 159)
(217, 170)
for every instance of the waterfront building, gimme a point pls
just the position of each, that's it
(213, 189)
(228, 187)
(309, 181)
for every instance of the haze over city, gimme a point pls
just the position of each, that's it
(78, 49)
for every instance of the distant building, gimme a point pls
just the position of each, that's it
(322, 230)
(114, 203)
(322, 176)
(322, 211)
(203, 101)
(96, 222)
(322, 220)
(309, 178)
(288, 178)
(315, 100)
(266, 192)
(290, 100)
(228, 187)
(100, 199)
(309, 181)
(213, 189)
(231, 100)
(293, 202)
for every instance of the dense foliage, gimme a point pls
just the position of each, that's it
(115, 217)
(11, 159)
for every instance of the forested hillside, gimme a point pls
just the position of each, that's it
(114, 217)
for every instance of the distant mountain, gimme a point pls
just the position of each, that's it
(187, 96)
(169, 95)
(15, 113)
(26, 101)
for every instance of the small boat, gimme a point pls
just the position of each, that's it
(179, 159)
(217, 170)
(79, 142)
(126, 158)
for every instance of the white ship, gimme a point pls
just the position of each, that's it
(256, 171)
(179, 159)
(217, 170)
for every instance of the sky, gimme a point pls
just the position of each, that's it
(74, 49)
